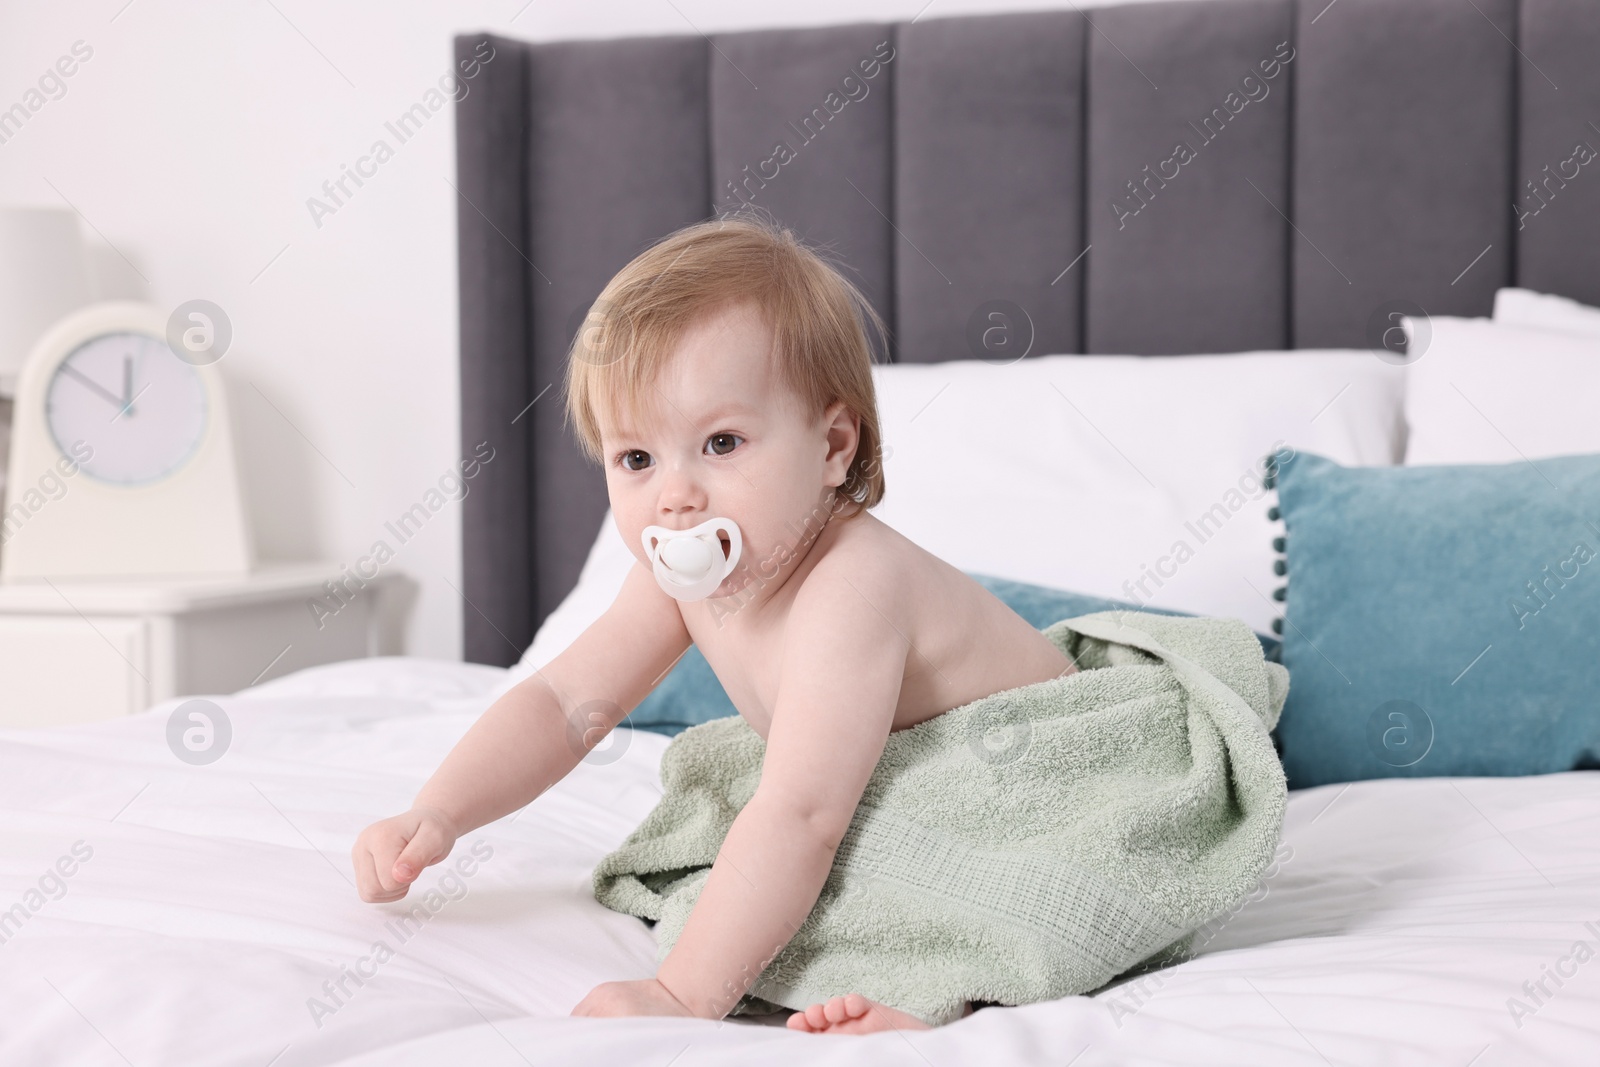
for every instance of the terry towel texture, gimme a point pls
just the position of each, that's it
(1030, 845)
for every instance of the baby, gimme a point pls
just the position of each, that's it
(726, 373)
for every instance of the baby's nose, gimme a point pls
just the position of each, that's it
(680, 492)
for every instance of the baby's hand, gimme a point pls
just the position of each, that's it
(390, 854)
(646, 997)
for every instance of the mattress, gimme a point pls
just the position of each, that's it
(210, 917)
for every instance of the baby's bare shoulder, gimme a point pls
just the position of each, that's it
(865, 561)
(849, 618)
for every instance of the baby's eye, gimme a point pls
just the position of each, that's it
(720, 444)
(635, 459)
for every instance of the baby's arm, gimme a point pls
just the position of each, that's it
(530, 738)
(843, 662)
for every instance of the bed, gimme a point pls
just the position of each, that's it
(216, 902)
(155, 910)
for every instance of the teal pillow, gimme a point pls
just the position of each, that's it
(690, 693)
(1440, 620)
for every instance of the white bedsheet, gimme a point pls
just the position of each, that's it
(218, 899)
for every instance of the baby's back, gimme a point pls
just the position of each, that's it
(956, 641)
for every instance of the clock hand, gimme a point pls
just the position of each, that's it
(129, 396)
(127, 408)
(90, 383)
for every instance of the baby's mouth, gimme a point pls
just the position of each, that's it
(723, 541)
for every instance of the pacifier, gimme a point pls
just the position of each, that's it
(689, 564)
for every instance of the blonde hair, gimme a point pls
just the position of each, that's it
(819, 322)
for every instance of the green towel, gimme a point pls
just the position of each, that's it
(1031, 845)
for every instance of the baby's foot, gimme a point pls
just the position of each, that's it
(853, 1014)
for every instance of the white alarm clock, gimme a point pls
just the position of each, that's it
(122, 459)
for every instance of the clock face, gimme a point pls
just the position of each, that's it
(139, 407)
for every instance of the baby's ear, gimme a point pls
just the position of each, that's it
(838, 416)
(843, 429)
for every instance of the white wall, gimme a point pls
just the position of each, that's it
(191, 141)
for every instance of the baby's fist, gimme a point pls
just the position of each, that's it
(390, 854)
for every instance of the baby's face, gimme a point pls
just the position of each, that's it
(719, 435)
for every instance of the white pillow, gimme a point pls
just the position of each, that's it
(1123, 476)
(1084, 473)
(1524, 307)
(1486, 392)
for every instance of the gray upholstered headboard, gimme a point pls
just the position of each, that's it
(1427, 151)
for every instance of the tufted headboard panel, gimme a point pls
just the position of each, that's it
(1197, 176)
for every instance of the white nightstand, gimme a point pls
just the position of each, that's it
(75, 651)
